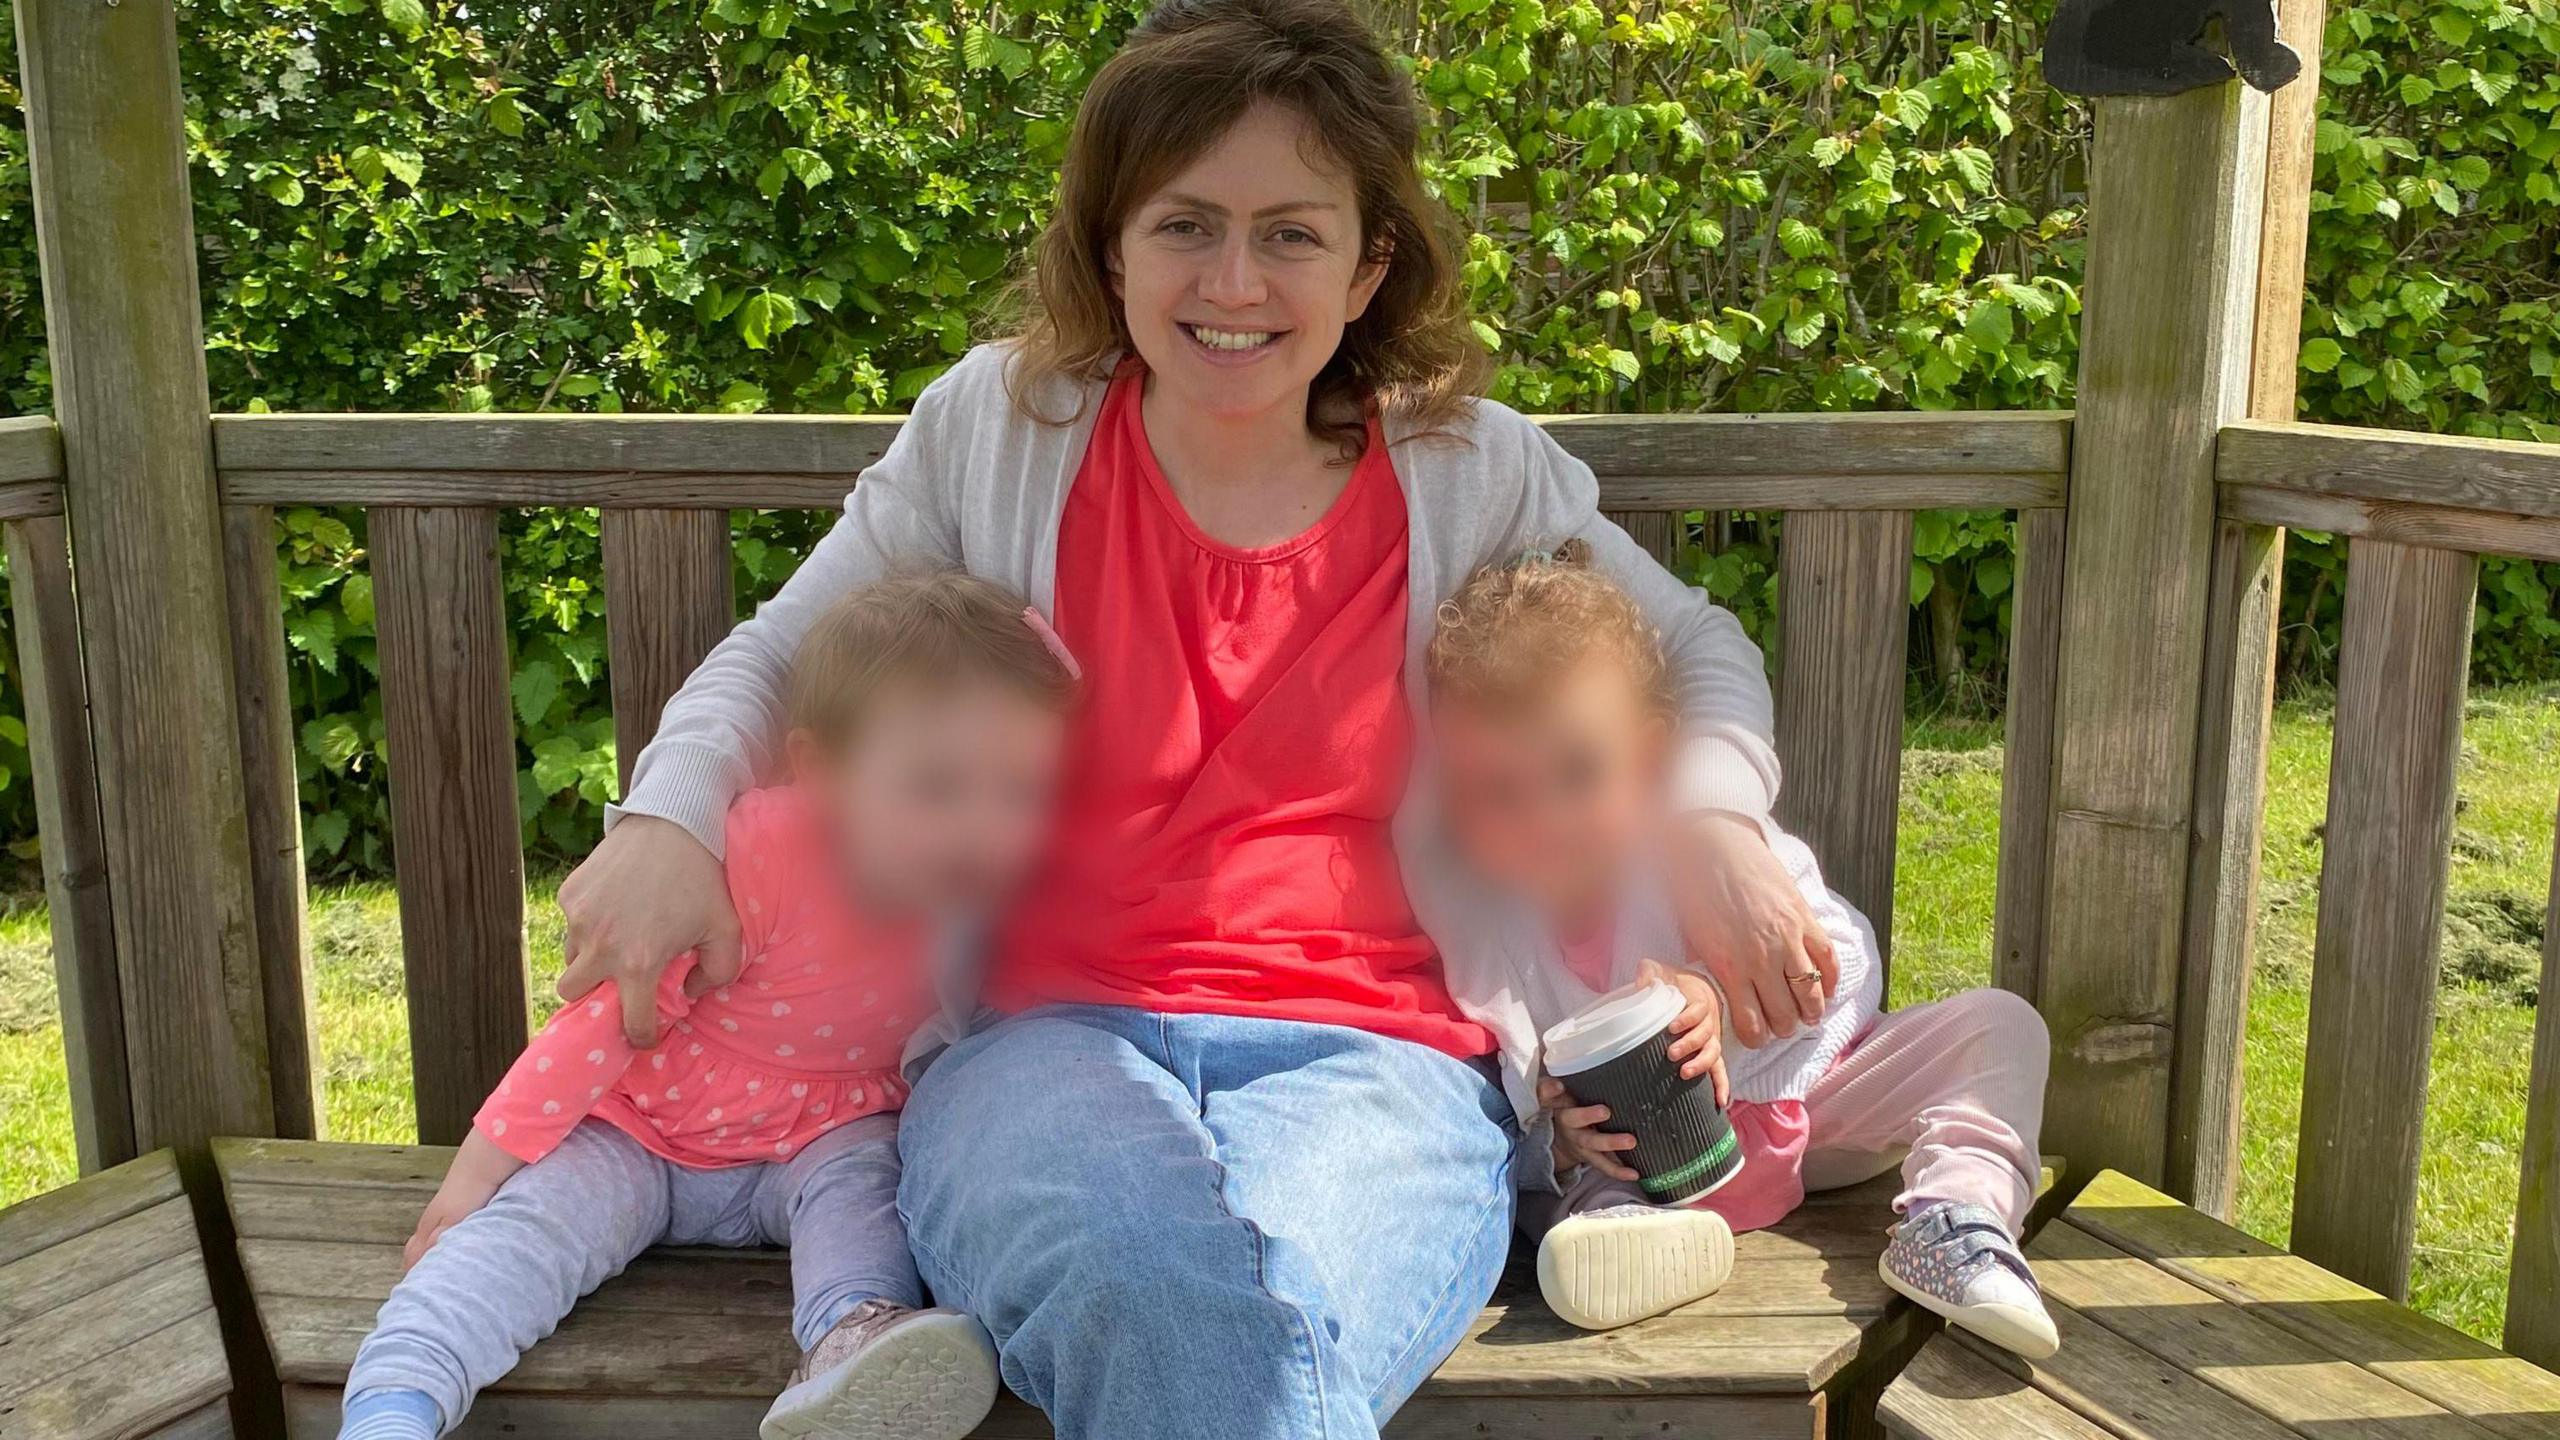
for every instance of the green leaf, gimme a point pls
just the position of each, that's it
(770, 180)
(535, 685)
(2322, 356)
(408, 17)
(314, 633)
(505, 116)
(285, 189)
(324, 832)
(333, 740)
(2451, 26)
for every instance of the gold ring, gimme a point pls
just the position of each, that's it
(1800, 979)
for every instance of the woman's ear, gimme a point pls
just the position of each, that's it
(1112, 271)
(1365, 282)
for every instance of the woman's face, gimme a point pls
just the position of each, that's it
(1238, 277)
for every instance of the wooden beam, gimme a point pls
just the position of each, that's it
(2429, 527)
(106, 144)
(267, 772)
(456, 843)
(45, 613)
(2453, 472)
(667, 602)
(2026, 778)
(2175, 189)
(1844, 626)
(2533, 1281)
(2403, 662)
(1657, 531)
(30, 449)
(2240, 686)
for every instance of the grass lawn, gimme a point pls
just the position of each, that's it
(1942, 943)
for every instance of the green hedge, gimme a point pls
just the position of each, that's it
(812, 204)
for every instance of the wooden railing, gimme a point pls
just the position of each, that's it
(434, 484)
(2417, 509)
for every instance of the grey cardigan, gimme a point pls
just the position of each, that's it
(973, 480)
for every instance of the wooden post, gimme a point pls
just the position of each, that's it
(2533, 1283)
(2174, 210)
(106, 147)
(2240, 680)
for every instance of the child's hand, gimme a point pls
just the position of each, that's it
(479, 1168)
(1579, 1138)
(1698, 1029)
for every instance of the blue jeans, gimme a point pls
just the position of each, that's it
(1188, 1225)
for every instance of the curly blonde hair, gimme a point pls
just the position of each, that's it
(938, 627)
(1512, 629)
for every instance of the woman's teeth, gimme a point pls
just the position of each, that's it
(1230, 339)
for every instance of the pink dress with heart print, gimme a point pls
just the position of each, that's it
(806, 1039)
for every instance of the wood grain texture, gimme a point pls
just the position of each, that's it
(44, 610)
(1951, 1392)
(456, 845)
(2505, 477)
(106, 142)
(2284, 230)
(2235, 726)
(667, 602)
(1657, 531)
(275, 810)
(26, 499)
(100, 1200)
(1844, 624)
(2026, 771)
(2404, 657)
(2498, 1392)
(2533, 1282)
(2175, 187)
(2438, 527)
(30, 449)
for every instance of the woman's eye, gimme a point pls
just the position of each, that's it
(1181, 227)
(1295, 236)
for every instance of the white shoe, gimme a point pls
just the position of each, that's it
(886, 1372)
(1626, 1263)
(1960, 1262)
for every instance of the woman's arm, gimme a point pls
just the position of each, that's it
(653, 887)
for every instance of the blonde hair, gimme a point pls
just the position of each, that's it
(1184, 77)
(1512, 629)
(937, 628)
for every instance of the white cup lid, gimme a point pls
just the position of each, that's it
(1610, 1027)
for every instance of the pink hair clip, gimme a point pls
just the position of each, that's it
(1048, 634)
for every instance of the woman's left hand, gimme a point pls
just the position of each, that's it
(1747, 925)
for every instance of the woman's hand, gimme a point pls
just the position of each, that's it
(1697, 1032)
(648, 893)
(479, 1168)
(1579, 1138)
(1747, 925)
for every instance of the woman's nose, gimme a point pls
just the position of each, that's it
(1235, 277)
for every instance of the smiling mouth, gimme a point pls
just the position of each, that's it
(1232, 342)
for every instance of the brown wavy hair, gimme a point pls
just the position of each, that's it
(1183, 78)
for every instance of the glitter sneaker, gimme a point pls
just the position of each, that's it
(886, 1372)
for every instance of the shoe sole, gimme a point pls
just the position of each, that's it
(933, 1378)
(2026, 1333)
(1599, 1274)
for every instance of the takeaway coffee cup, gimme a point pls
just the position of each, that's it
(1613, 1053)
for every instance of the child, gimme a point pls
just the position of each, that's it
(927, 716)
(1553, 724)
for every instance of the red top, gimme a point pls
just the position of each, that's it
(1244, 743)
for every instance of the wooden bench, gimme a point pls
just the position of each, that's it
(695, 1343)
(2176, 1325)
(107, 1326)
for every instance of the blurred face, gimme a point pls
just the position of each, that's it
(1238, 277)
(1554, 797)
(944, 797)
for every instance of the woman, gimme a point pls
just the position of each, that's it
(1237, 1159)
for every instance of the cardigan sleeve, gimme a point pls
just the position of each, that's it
(722, 731)
(1728, 760)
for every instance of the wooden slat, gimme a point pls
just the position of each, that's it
(1951, 1392)
(30, 449)
(2441, 527)
(1844, 615)
(51, 1278)
(2504, 477)
(275, 810)
(2498, 1392)
(2026, 779)
(70, 831)
(1876, 443)
(58, 1216)
(2102, 1376)
(171, 1377)
(108, 1318)
(534, 445)
(2222, 867)
(456, 842)
(2284, 231)
(26, 499)
(1657, 531)
(2264, 1367)
(2404, 655)
(667, 602)
(2533, 1282)
(106, 148)
(2175, 186)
